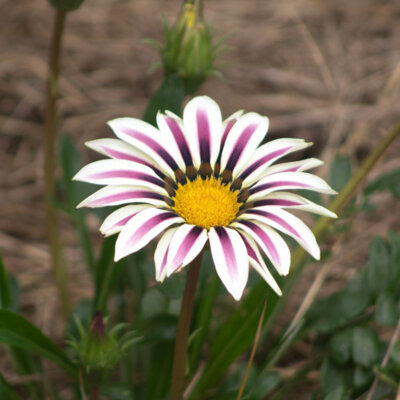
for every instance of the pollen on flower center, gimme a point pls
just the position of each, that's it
(206, 202)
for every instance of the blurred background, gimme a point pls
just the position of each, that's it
(327, 71)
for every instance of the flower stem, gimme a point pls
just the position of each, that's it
(50, 133)
(94, 392)
(179, 364)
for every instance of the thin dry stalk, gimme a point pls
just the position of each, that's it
(253, 352)
(385, 360)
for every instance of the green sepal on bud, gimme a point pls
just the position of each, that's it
(189, 50)
(98, 350)
(66, 5)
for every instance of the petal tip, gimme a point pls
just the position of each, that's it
(82, 204)
(118, 255)
(237, 295)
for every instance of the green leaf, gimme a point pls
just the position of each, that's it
(388, 181)
(340, 346)
(17, 331)
(5, 295)
(379, 269)
(387, 311)
(173, 286)
(385, 375)
(366, 346)
(160, 328)
(395, 353)
(334, 376)
(362, 379)
(394, 241)
(340, 172)
(158, 374)
(83, 312)
(169, 97)
(15, 292)
(264, 384)
(153, 303)
(336, 310)
(6, 391)
(232, 382)
(117, 392)
(337, 394)
(204, 317)
(107, 273)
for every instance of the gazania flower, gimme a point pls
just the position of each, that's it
(200, 180)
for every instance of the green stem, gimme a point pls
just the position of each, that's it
(94, 392)
(182, 336)
(204, 315)
(50, 132)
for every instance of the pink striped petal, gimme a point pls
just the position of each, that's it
(142, 228)
(228, 124)
(295, 166)
(286, 223)
(115, 195)
(292, 200)
(230, 259)
(121, 172)
(269, 241)
(172, 124)
(115, 148)
(119, 218)
(203, 129)
(241, 142)
(267, 154)
(149, 140)
(161, 254)
(186, 244)
(257, 262)
(288, 180)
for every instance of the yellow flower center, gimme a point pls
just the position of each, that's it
(206, 202)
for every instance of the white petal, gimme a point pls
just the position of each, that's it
(270, 242)
(295, 166)
(288, 180)
(286, 223)
(173, 127)
(292, 200)
(257, 262)
(230, 259)
(142, 228)
(121, 172)
(118, 218)
(115, 148)
(242, 141)
(149, 140)
(267, 154)
(161, 254)
(186, 244)
(203, 129)
(228, 124)
(116, 195)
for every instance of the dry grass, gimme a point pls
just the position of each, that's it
(325, 71)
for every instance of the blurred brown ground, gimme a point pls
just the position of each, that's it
(327, 71)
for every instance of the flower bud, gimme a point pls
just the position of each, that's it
(189, 51)
(99, 350)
